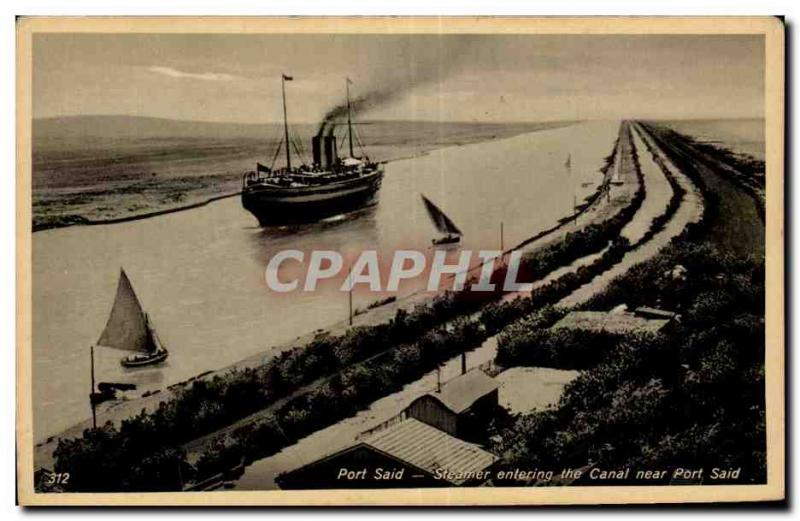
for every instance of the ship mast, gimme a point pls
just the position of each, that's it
(349, 119)
(284, 78)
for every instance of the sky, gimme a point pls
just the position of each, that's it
(494, 78)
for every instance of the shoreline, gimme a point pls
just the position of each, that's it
(134, 217)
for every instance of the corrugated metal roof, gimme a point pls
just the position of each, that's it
(461, 392)
(429, 449)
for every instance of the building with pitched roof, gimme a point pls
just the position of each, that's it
(458, 405)
(407, 454)
(422, 446)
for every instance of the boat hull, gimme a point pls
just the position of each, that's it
(451, 239)
(156, 358)
(275, 206)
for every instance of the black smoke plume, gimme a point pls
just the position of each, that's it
(427, 64)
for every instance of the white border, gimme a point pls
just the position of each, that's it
(149, 7)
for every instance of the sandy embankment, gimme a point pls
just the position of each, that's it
(690, 211)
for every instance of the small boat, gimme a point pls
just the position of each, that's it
(129, 328)
(108, 391)
(443, 224)
(448, 239)
(105, 395)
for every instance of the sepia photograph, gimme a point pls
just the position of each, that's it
(399, 261)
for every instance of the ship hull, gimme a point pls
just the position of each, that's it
(450, 239)
(275, 206)
(155, 358)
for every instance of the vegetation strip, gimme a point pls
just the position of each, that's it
(71, 220)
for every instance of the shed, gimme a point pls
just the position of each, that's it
(459, 405)
(407, 454)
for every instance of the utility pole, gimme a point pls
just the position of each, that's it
(502, 249)
(350, 295)
(574, 208)
(568, 167)
(91, 394)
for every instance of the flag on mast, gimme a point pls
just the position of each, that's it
(287, 78)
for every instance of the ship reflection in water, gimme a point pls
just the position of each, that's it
(200, 273)
(347, 233)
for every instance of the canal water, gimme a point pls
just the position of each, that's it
(200, 273)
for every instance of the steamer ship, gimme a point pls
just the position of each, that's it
(307, 193)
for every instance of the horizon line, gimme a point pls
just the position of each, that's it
(365, 121)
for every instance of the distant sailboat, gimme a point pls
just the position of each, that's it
(568, 167)
(442, 223)
(129, 328)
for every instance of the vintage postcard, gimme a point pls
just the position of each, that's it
(400, 261)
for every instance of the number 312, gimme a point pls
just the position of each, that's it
(60, 478)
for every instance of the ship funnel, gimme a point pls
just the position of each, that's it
(316, 150)
(330, 151)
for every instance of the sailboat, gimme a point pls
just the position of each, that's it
(129, 328)
(443, 224)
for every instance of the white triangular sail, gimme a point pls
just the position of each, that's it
(127, 327)
(442, 222)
